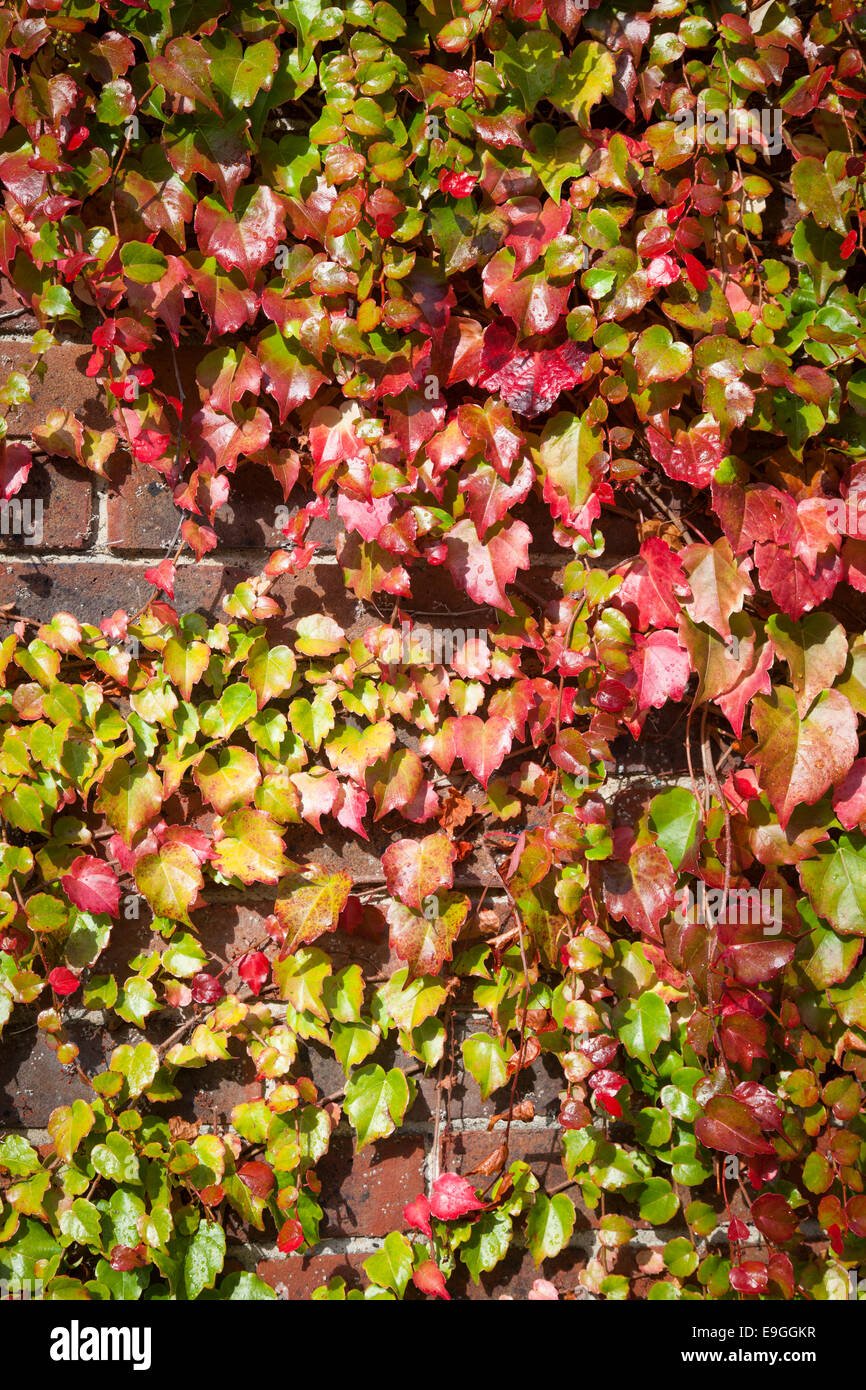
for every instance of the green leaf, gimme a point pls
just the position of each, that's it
(204, 1258)
(138, 1065)
(115, 1159)
(582, 80)
(376, 1102)
(674, 816)
(68, 1125)
(391, 1267)
(551, 1222)
(658, 1202)
(143, 264)
(647, 1023)
(485, 1058)
(80, 1223)
(835, 881)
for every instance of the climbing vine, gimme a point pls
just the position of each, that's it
(493, 288)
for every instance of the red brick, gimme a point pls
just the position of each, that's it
(23, 322)
(65, 386)
(66, 494)
(364, 1194)
(32, 1081)
(297, 1277)
(540, 1148)
(142, 514)
(93, 591)
(514, 1276)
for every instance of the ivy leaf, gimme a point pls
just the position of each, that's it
(204, 1258)
(246, 238)
(719, 585)
(487, 1062)
(796, 759)
(291, 375)
(184, 70)
(92, 885)
(571, 460)
(376, 1102)
(646, 1024)
(186, 663)
(529, 381)
(582, 80)
(68, 1125)
(242, 74)
(835, 881)
(130, 798)
(816, 650)
(652, 584)
(391, 1267)
(550, 1224)
(484, 569)
(730, 1126)
(674, 816)
(308, 906)
(217, 151)
(416, 868)
(426, 939)
(229, 780)
(658, 358)
(250, 847)
(270, 670)
(481, 744)
(171, 880)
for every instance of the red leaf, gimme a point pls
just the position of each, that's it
(737, 1230)
(254, 968)
(291, 1236)
(651, 585)
(417, 1215)
(481, 744)
(692, 456)
(749, 1277)
(661, 271)
(732, 1127)
(847, 248)
(429, 1278)
(756, 961)
(529, 381)
(459, 183)
(775, 1218)
(484, 568)
(258, 1177)
(16, 461)
(245, 238)
(453, 1197)
(62, 981)
(205, 988)
(762, 1102)
(92, 885)
(162, 576)
(124, 1258)
(661, 667)
(696, 272)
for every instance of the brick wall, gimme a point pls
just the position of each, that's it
(98, 537)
